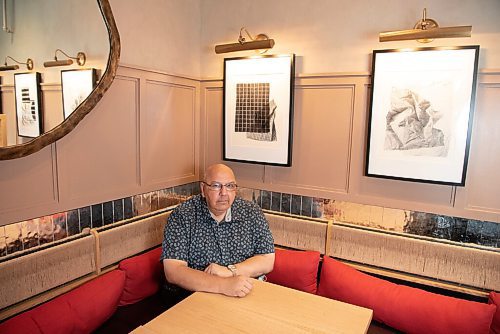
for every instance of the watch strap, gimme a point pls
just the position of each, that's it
(232, 268)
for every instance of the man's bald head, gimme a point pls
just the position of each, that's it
(213, 171)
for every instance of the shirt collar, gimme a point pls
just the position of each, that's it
(227, 217)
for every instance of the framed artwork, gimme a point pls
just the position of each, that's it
(28, 104)
(258, 109)
(76, 86)
(420, 118)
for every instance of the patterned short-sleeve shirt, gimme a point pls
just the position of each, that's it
(192, 235)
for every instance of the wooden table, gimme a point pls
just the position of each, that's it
(269, 308)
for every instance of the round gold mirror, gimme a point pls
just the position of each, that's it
(104, 82)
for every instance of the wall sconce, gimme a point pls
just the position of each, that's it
(5, 67)
(425, 31)
(80, 59)
(261, 41)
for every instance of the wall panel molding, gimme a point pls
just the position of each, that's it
(172, 105)
(201, 101)
(480, 196)
(318, 104)
(96, 161)
(19, 198)
(437, 199)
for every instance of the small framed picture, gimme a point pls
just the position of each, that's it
(421, 111)
(258, 109)
(76, 87)
(28, 104)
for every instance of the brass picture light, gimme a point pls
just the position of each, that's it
(80, 59)
(425, 31)
(5, 67)
(259, 42)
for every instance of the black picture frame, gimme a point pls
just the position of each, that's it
(76, 85)
(421, 113)
(28, 97)
(258, 109)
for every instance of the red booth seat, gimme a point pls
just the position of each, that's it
(404, 308)
(87, 307)
(81, 310)
(494, 299)
(295, 269)
(407, 309)
(144, 275)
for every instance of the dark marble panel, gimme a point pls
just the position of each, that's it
(97, 219)
(329, 208)
(265, 199)
(118, 210)
(443, 226)
(13, 238)
(275, 201)
(421, 223)
(85, 219)
(286, 203)
(24, 235)
(296, 204)
(31, 234)
(473, 233)
(306, 208)
(163, 198)
(245, 193)
(3, 242)
(317, 207)
(183, 190)
(174, 199)
(256, 197)
(459, 230)
(134, 209)
(107, 213)
(155, 205)
(128, 211)
(195, 188)
(60, 226)
(142, 204)
(489, 234)
(46, 228)
(73, 222)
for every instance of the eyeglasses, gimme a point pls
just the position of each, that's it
(217, 186)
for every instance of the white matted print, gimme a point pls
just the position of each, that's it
(76, 87)
(28, 104)
(421, 114)
(258, 109)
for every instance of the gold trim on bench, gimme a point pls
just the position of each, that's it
(97, 244)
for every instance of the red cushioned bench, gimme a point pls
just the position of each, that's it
(400, 307)
(89, 306)
(104, 304)
(81, 310)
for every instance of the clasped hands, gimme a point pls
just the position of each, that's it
(234, 286)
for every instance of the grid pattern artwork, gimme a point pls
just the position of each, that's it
(252, 108)
(28, 107)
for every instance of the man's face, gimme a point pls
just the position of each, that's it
(219, 201)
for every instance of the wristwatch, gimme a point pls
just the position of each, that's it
(232, 268)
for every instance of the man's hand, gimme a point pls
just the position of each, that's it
(218, 270)
(237, 286)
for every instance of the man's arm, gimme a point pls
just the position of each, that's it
(177, 272)
(254, 266)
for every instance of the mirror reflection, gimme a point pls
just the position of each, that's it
(71, 38)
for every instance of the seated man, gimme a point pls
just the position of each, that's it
(214, 242)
